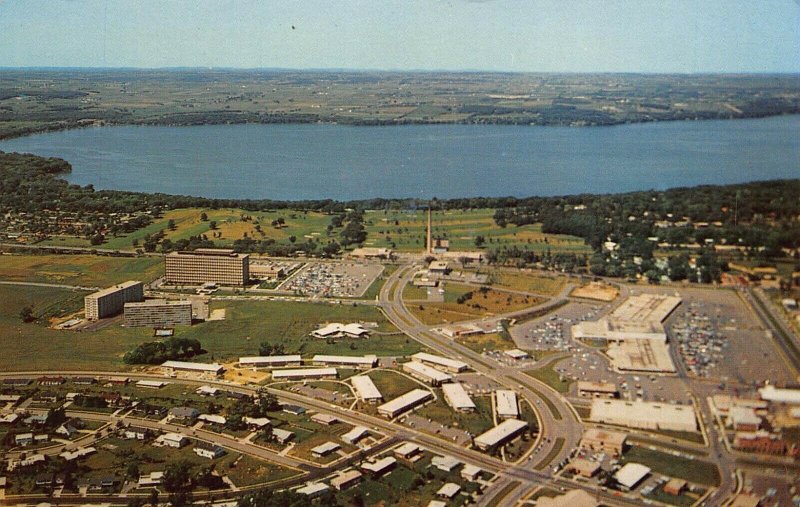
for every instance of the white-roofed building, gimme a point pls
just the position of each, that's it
(776, 395)
(151, 384)
(426, 373)
(305, 373)
(631, 474)
(451, 365)
(644, 414)
(364, 362)
(256, 422)
(379, 467)
(206, 368)
(151, 479)
(346, 479)
(517, 354)
(313, 489)
(270, 361)
(470, 472)
(445, 463)
(407, 451)
(506, 404)
(456, 396)
(353, 436)
(449, 490)
(500, 434)
(365, 389)
(323, 450)
(282, 436)
(212, 418)
(337, 330)
(175, 440)
(404, 403)
(743, 418)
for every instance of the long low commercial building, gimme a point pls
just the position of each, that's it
(354, 361)
(506, 404)
(365, 389)
(426, 373)
(270, 361)
(158, 313)
(456, 396)
(404, 403)
(304, 373)
(209, 368)
(644, 415)
(639, 318)
(500, 434)
(447, 364)
(111, 301)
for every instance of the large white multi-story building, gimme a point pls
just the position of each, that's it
(207, 265)
(111, 301)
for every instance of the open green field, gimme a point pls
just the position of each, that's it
(485, 342)
(475, 422)
(405, 231)
(83, 270)
(248, 323)
(692, 470)
(232, 224)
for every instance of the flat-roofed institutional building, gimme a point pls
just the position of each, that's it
(158, 313)
(207, 265)
(111, 301)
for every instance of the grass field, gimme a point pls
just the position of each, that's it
(83, 270)
(475, 422)
(248, 323)
(482, 303)
(527, 282)
(405, 231)
(550, 377)
(692, 470)
(484, 342)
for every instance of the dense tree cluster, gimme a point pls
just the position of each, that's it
(158, 352)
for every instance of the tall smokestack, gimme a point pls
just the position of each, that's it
(430, 234)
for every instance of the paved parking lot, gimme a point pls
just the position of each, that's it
(332, 279)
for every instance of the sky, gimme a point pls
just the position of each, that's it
(650, 36)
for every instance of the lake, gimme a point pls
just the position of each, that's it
(339, 162)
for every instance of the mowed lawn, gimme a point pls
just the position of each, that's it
(406, 231)
(82, 270)
(248, 323)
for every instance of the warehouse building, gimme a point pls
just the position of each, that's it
(425, 373)
(506, 404)
(456, 396)
(305, 373)
(158, 313)
(644, 415)
(365, 389)
(500, 434)
(631, 474)
(447, 364)
(361, 362)
(111, 301)
(204, 368)
(207, 265)
(270, 361)
(404, 403)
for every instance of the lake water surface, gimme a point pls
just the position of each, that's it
(331, 161)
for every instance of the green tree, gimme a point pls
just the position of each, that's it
(26, 314)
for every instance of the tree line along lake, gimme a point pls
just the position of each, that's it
(320, 161)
